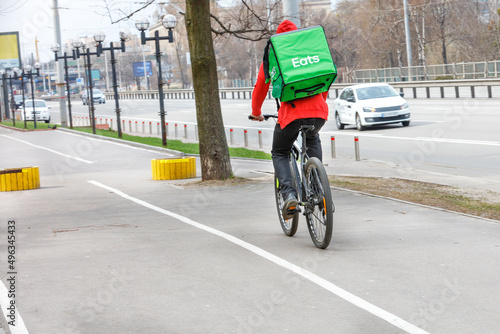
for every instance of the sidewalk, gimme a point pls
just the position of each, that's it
(348, 166)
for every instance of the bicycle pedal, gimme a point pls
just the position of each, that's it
(293, 210)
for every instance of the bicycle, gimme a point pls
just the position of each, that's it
(313, 193)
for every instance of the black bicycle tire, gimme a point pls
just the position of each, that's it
(320, 240)
(289, 226)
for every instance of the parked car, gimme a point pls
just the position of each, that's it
(18, 100)
(98, 96)
(370, 104)
(41, 109)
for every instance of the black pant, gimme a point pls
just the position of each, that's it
(282, 144)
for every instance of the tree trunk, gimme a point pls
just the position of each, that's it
(214, 152)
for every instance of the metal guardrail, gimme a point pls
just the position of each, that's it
(471, 70)
(475, 88)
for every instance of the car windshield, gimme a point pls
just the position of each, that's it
(375, 92)
(94, 91)
(38, 104)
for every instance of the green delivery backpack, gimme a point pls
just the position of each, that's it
(299, 63)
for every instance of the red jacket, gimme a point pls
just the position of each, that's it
(309, 107)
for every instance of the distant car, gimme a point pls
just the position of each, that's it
(41, 109)
(98, 96)
(370, 104)
(18, 100)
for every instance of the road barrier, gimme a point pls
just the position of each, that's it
(467, 88)
(253, 138)
(334, 153)
(24, 178)
(356, 148)
(173, 169)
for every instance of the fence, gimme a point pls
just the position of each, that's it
(478, 70)
(237, 136)
(473, 88)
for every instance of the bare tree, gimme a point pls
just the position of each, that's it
(418, 14)
(214, 153)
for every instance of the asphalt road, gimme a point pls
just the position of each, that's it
(102, 248)
(446, 136)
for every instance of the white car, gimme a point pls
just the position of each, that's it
(98, 96)
(41, 109)
(370, 104)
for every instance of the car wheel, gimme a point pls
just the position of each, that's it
(340, 126)
(406, 123)
(47, 121)
(359, 126)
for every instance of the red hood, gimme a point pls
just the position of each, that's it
(286, 26)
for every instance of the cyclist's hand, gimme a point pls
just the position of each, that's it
(259, 118)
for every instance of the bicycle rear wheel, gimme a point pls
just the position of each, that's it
(289, 226)
(319, 213)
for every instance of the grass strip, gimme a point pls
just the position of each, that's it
(470, 201)
(30, 125)
(177, 145)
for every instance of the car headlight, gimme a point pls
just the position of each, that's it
(369, 109)
(405, 106)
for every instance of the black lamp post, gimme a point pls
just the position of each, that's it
(56, 48)
(169, 21)
(11, 76)
(20, 73)
(123, 38)
(12, 101)
(28, 72)
(87, 54)
(3, 74)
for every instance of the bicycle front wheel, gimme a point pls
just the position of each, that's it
(289, 226)
(319, 211)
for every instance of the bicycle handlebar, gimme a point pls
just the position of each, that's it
(266, 116)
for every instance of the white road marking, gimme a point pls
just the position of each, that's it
(20, 327)
(426, 121)
(50, 150)
(329, 286)
(432, 139)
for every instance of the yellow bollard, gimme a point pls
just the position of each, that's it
(14, 179)
(173, 169)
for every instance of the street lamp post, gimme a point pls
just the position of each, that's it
(169, 21)
(28, 72)
(76, 45)
(123, 38)
(20, 73)
(56, 48)
(12, 101)
(87, 54)
(3, 74)
(10, 76)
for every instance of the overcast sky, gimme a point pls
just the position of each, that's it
(34, 19)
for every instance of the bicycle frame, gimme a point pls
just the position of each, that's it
(296, 152)
(313, 193)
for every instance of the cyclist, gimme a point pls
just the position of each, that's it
(291, 116)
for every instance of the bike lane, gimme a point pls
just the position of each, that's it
(94, 260)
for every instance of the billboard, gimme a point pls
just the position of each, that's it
(10, 54)
(96, 75)
(139, 69)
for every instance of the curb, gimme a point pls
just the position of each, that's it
(125, 142)
(23, 130)
(417, 204)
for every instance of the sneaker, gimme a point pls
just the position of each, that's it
(290, 205)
